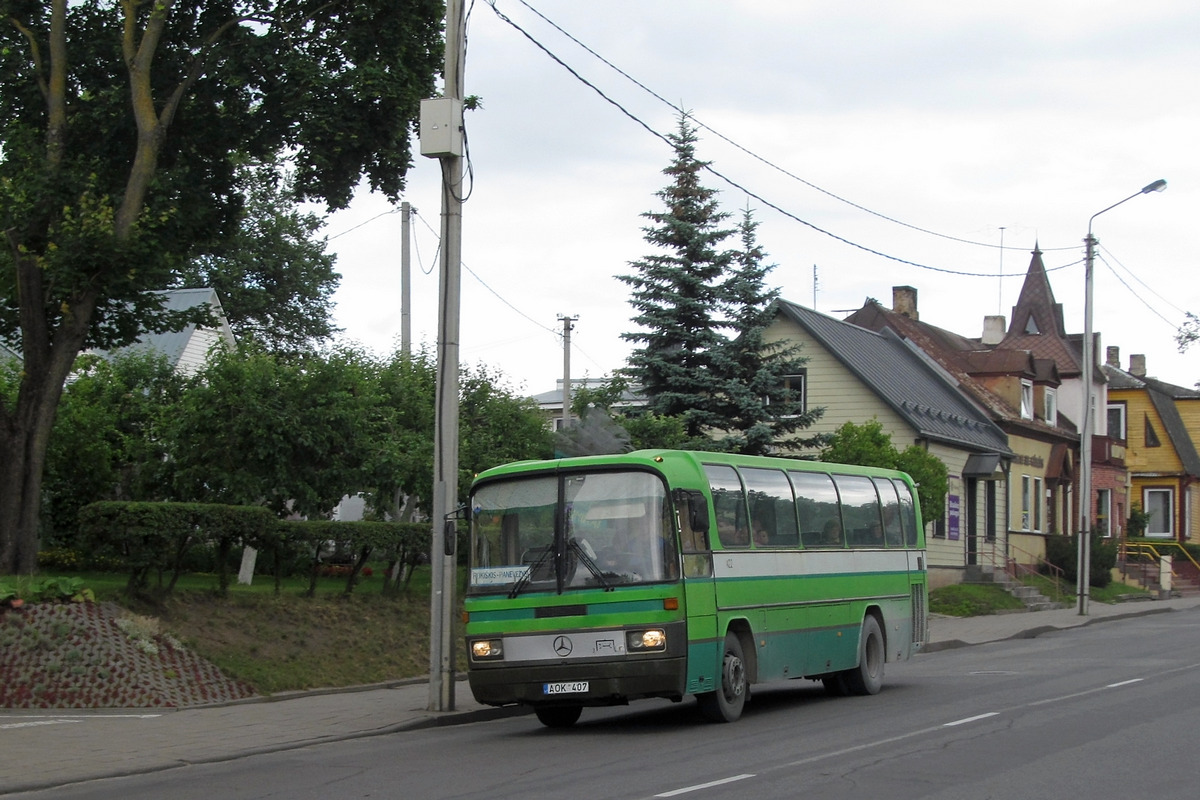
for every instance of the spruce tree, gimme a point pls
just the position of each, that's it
(760, 405)
(675, 294)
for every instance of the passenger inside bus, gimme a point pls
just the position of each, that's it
(731, 533)
(831, 534)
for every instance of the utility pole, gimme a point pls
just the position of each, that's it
(566, 397)
(442, 138)
(1083, 556)
(405, 279)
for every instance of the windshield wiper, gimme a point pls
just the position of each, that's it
(581, 552)
(524, 580)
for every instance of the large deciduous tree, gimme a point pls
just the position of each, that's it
(291, 434)
(275, 279)
(121, 125)
(869, 445)
(109, 439)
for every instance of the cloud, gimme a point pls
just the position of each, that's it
(957, 120)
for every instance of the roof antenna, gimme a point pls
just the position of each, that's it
(1000, 283)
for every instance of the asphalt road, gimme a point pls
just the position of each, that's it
(1109, 710)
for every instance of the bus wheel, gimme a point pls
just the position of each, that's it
(558, 716)
(867, 677)
(727, 702)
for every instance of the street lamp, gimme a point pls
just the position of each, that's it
(1089, 423)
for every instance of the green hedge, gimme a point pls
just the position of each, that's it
(401, 544)
(158, 537)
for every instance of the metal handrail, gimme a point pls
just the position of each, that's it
(1151, 549)
(1014, 569)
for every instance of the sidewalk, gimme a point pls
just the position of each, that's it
(44, 749)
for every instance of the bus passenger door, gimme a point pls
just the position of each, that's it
(699, 592)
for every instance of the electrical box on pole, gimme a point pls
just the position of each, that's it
(442, 127)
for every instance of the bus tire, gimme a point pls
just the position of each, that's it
(558, 716)
(867, 677)
(727, 702)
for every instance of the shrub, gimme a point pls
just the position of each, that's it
(60, 559)
(1063, 551)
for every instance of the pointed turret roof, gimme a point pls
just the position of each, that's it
(1037, 322)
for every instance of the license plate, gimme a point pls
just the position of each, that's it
(567, 687)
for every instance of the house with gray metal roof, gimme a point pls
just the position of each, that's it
(1019, 392)
(857, 375)
(187, 349)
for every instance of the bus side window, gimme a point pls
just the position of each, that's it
(818, 509)
(908, 514)
(729, 504)
(772, 507)
(893, 534)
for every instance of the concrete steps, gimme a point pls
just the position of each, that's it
(1147, 577)
(1028, 595)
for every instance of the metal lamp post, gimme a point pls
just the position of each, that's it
(1089, 423)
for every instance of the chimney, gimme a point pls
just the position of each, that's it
(1114, 357)
(993, 329)
(1137, 365)
(904, 301)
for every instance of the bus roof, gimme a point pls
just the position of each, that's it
(681, 464)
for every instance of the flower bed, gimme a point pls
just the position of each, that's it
(96, 655)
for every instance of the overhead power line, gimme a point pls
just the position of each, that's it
(740, 147)
(720, 175)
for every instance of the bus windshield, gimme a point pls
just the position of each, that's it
(570, 530)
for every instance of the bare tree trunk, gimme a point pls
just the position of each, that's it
(23, 454)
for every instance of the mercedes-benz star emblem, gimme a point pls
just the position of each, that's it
(563, 646)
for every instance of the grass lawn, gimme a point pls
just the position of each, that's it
(286, 641)
(979, 599)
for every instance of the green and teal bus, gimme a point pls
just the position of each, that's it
(597, 580)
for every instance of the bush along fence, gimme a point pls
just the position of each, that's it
(163, 539)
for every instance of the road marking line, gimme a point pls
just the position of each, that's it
(1124, 683)
(970, 719)
(9, 725)
(700, 786)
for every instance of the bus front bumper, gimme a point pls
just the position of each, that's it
(593, 683)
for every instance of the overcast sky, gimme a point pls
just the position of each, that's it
(878, 143)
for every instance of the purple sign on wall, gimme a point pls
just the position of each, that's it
(952, 511)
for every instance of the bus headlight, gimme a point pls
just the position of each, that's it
(487, 649)
(645, 641)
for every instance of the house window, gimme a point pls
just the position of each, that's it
(1026, 399)
(794, 387)
(1160, 505)
(1103, 524)
(1151, 434)
(939, 527)
(1026, 501)
(1037, 504)
(1116, 421)
(1051, 403)
(989, 513)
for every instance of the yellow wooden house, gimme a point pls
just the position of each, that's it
(1160, 424)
